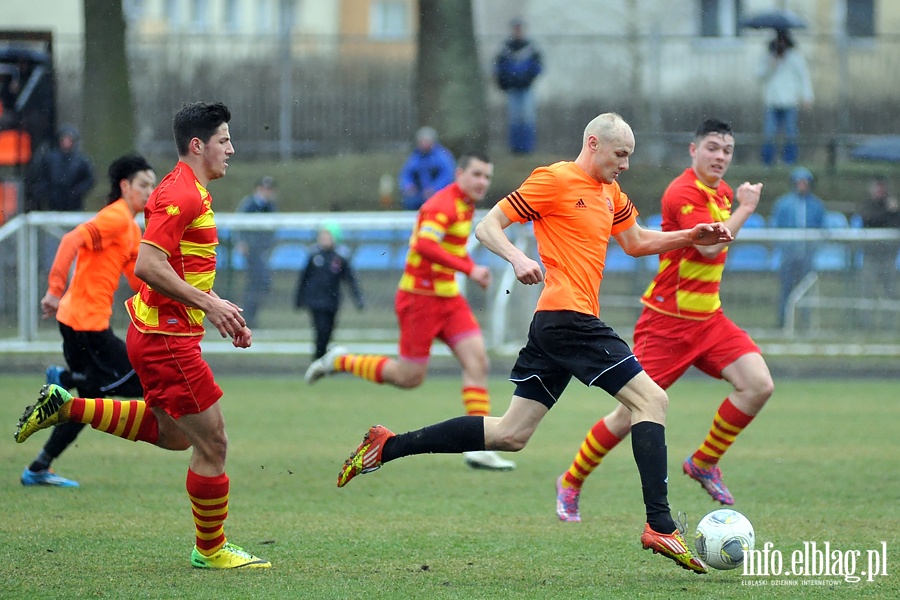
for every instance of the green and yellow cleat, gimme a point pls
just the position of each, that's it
(367, 456)
(228, 556)
(42, 414)
(673, 547)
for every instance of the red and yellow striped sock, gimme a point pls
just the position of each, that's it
(209, 503)
(726, 425)
(596, 445)
(129, 419)
(364, 366)
(477, 401)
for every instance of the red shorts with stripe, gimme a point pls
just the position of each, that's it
(423, 318)
(174, 375)
(667, 346)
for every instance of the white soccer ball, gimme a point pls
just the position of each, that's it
(722, 537)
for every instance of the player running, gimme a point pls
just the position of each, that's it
(429, 304)
(575, 207)
(683, 325)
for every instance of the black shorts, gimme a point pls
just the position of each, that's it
(563, 344)
(101, 357)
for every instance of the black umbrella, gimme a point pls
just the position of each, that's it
(774, 19)
(885, 148)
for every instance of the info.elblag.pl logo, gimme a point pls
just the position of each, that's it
(817, 560)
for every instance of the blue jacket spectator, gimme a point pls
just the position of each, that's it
(799, 209)
(515, 68)
(429, 168)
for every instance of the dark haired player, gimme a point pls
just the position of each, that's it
(106, 247)
(177, 263)
(682, 323)
(429, 304)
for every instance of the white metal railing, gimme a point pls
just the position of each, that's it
(507, 307)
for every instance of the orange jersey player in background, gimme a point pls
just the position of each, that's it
(429, 304)
(106, 247)
(683, 325)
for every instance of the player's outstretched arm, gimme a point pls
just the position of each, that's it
(637, 241)
(490, 232)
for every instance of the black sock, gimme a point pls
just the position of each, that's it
(648, 443)
(42, 462)
(61, 438)
(461, 434)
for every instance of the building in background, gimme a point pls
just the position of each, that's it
(322, 76)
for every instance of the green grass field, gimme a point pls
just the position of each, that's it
(819, 464)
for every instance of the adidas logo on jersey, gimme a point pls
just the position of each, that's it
(580, 204)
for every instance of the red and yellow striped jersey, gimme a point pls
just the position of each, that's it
(574, 216)
(179, 221)
(687, 284)
(445, 220)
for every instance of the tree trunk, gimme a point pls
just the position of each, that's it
(109, 125)
(450, 89)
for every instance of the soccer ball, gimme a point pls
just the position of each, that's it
(722, 537)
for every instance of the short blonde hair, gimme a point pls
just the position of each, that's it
(605, 127)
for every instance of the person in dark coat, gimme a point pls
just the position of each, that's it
(59, 178)
(319, 286)
(256, 246)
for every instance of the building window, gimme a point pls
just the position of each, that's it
(231, 16)
(199, 15)
(860, 18)
(173, 14)
(719, 18)
(134, 9)
(389, 19)
(265, 17)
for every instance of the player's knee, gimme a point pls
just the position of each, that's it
(410, 380)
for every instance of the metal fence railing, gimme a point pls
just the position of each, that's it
(848, 305)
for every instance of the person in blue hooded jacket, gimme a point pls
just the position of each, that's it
(429, 168)
(798, 209)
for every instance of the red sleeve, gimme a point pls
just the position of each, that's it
(167, 218)
(685, 205)
(434, 252)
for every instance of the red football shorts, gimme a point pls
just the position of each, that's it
(667, 346)
(424, 318)
(174, 375)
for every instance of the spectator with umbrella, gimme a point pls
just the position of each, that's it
(787, 85)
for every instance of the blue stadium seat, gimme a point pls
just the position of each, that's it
(653, 222)
(836, 220)
(306, 236)
(617, 261)
(748, 257)
(224, 258)
(483, 256)
(370, 235)
(755, 221)
(288, 257)
(374, 256)
(833, 256)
